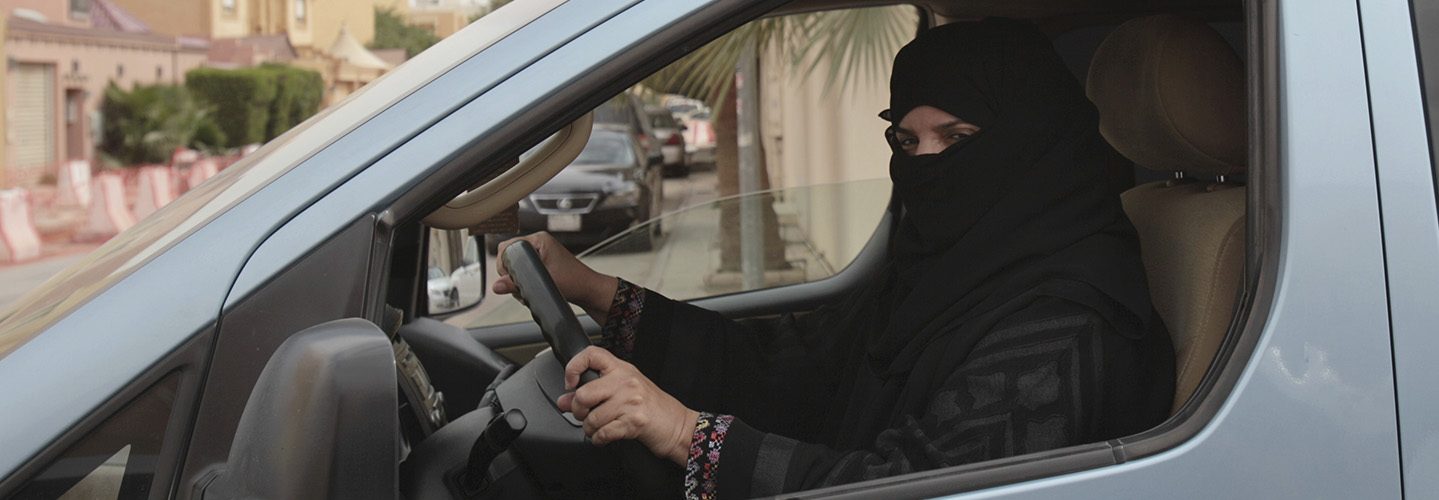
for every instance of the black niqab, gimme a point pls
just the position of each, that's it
(1019, 211)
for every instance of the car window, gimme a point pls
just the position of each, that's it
(118, 459)
(605, 149)
(662, 120)
(675, 229)
(817, 232)
(1426, 34)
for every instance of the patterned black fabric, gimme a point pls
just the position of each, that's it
(1052, 374)
(618, 334)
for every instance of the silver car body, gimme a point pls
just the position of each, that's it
(1324, 394)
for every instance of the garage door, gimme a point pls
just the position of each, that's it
(32, 115)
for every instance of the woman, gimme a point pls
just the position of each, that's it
(1012, 316)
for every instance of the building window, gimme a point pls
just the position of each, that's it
(228, 6)
(119, 71)
(80, 8)
(159, 73)
(300, 10)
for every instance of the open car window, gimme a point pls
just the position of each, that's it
(817, 231)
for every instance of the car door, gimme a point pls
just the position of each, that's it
(1403, 139)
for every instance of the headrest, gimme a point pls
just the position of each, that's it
(1171, 96)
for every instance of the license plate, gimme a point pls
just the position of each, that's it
(564, 223)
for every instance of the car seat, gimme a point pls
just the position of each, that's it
(1171, 97)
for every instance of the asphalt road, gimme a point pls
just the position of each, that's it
(679, 193)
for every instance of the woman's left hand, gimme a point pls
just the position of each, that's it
(623, 404)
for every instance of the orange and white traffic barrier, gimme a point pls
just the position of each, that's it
(200, 171)
(19, 240)
(73, 183)
(156, 189)
(109, 214)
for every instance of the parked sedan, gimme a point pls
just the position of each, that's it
(603, 192)
(670, 134)
(699, 135)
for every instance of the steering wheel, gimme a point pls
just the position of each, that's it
(518, 443)
(652, 477)
(537, 291)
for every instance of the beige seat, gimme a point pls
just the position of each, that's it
(1171, 97)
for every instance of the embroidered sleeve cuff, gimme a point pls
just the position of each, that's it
(702, 470)
(619, 331)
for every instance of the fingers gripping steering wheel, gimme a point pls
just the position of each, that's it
(536, 290)
(652, 477)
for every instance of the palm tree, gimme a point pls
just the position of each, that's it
(845, 47)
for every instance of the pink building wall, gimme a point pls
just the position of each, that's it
(87, 63)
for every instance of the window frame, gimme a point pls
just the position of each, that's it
(187, 363)
(82, 12)
(1263, 228)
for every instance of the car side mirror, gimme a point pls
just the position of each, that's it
(455, 272)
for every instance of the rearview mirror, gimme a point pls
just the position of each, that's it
(455, 272)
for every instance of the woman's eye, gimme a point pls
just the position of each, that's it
(908, 141)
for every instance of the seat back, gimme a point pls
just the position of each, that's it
(1170, 93)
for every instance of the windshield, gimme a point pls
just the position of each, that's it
(663, 120)
(123, 254)
(605, 148)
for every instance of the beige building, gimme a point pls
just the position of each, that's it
(309, 24)
(62, 54)
(328, 36)
(441, 17)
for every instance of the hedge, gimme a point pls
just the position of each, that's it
(242, 99)
(297, 97)
(145, 124)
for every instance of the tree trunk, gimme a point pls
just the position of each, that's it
(726, 125)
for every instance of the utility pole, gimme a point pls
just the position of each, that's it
(751, 226)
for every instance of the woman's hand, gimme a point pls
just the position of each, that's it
(624, 404)
(578, 283)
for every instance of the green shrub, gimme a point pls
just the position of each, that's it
(242, 99)
(298, 93)
(146, 124)
(392, 32)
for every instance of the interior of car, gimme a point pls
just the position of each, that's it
(474, 405)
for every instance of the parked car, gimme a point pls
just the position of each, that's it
(670, 135)
(443, 292)
(266, 335)
(699, 135)
(626, 110)
(607, 189)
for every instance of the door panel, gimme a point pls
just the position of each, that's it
(1411, 223)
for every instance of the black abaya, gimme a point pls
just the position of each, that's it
(1012, 317)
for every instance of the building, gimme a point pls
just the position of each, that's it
(441, 17)
(61, 55)
(309, 24)
(328, 36)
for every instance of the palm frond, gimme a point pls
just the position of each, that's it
(853, 45)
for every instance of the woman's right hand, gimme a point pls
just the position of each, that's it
(578, 283)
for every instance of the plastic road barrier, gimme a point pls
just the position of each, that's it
(19, 240)
(108, 213)
(74, 183)
(157, 189)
